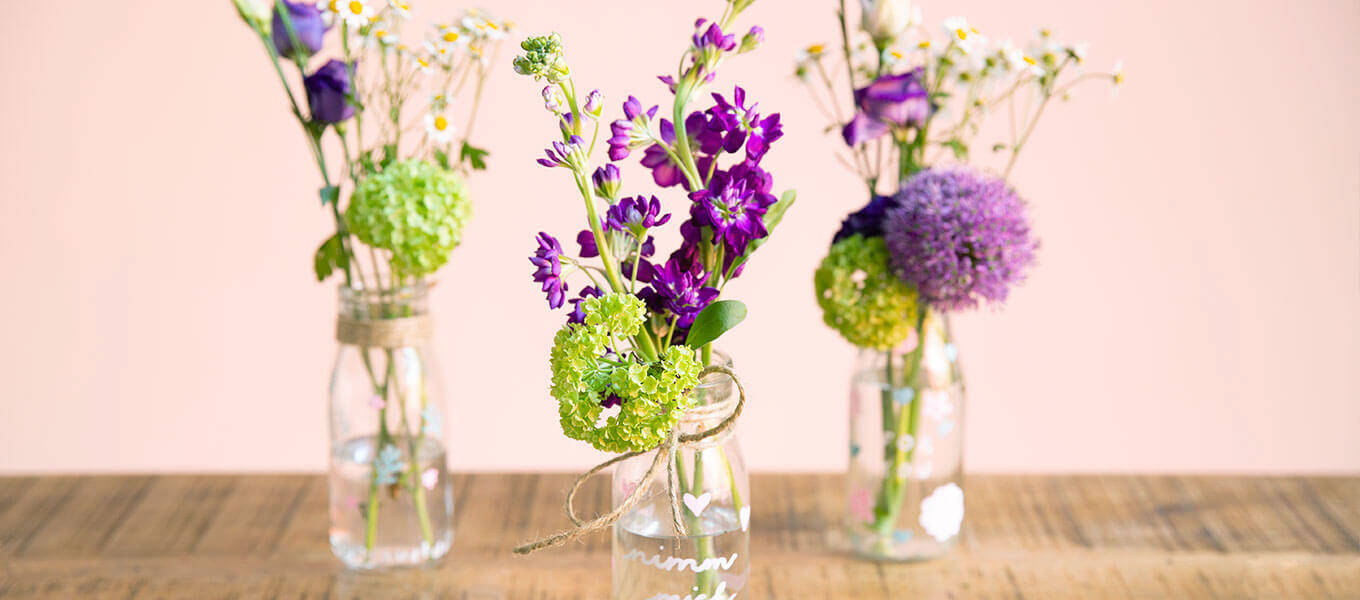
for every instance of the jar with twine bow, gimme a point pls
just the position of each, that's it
(391, 500)
(681, 512)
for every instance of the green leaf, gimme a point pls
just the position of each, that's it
(474, 156)
(389, 155)
(998, 147)
(714, 321)
(329, 257)
(442, 159)
(960, 149)
(329, 195)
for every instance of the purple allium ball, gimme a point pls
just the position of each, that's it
(959, 236)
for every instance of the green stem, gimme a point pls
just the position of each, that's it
(904, 422)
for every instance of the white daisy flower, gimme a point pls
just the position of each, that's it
(379, 37)
(1017, 61)
(942, 512)
(1078, 51)
(355, 13)
(958, 30)
(401, 8)
(438, 127)
(439, 52)
(1117, 73)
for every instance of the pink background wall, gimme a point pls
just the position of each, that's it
(1197, 307)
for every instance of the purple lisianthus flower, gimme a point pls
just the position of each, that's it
(890, 101)
(327, 91)
(308, 24)
(548, 259)
(867, 221)
(679, 290)
(632, 131)
(636, 215)
(664, 170)
(734, 205)
(578, 315)
(958, 237)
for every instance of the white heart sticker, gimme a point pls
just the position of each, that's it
(697, 505)
(745, 515)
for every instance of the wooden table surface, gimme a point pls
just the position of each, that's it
(257, 536)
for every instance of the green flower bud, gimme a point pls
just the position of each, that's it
(543, 58)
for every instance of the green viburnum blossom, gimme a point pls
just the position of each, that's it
(860, 296)
(413, 208)
(543, 59)
(585, 375)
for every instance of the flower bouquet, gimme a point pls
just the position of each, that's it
(933, 239)
(389, 107)
(633, 369)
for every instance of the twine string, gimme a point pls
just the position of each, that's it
(664, 452)
(400, 332)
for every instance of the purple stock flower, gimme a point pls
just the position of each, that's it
(743, 124)
(578, 315)
(867, 221)
(890, 101)
(564, 154)
(733, 206)
(328, 89)
(548, 259)
(665, 172)
(632, 131)
(308, 24)
(636, 215)
(959, 237)
(680, 290)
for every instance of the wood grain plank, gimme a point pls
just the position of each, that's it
(1026, 537)
(174, 514)
(32, 510)
(89, 517)
(252, 515)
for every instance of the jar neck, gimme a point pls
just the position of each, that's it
(374, 304)
(714, 399)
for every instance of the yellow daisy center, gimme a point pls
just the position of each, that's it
(1029, 60)
(816, 49)
(450, 36)
(440, 123)
(356, 7)
(961, 34)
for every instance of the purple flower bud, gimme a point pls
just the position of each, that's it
(594, 103)
(307, 24)
(753, 39)
(327, 91)
(631, 108)
(553, 100)
(607, 180)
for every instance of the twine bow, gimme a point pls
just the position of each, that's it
(664, 452)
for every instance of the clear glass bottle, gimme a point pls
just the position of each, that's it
(651, 558)
(391, 501)
(905, 487)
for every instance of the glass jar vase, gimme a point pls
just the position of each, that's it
(708, 561)
(391, 501)
(905, 488)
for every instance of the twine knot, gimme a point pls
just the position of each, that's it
(664, 452)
